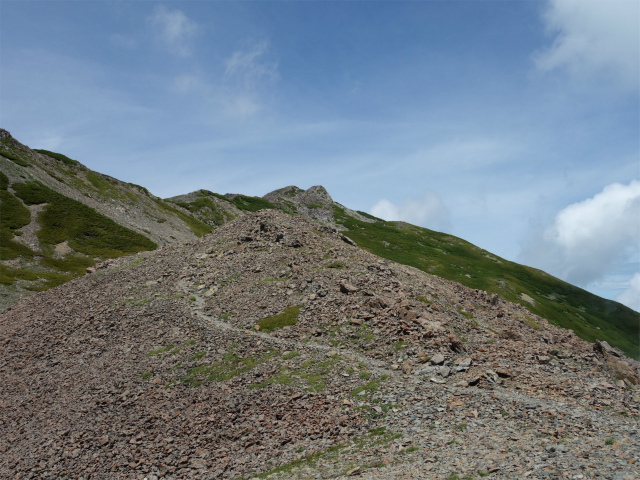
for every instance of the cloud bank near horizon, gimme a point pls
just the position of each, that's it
(589, 238)
(427, 211)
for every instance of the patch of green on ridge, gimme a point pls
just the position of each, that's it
(86, 230)
(58, 156)
(251, 204)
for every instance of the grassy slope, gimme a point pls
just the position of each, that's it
(590, 316)
(205, 209)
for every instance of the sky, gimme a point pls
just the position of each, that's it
(512, 124)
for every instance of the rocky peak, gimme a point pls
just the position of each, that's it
(4, 134)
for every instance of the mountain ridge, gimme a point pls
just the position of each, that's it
(184, 217)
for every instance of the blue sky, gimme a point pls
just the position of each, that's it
(512, 124)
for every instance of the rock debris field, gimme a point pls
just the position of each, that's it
(275, 348)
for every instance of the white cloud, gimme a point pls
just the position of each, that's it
(588, 239)
(248, 74)
(631, 296)
(428, 211)
(173, 30)
(249, 67)
(594, 38)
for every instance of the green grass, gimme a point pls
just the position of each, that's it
(4, 181)
(197, 356)
(105, 185)
(230, 366)
(206, 209)
(17, 159)
(160, 350)
(251, 204)
(197, 227)
(44, 280)
(609, 441)
(563, 304)
(368, 387)
(13, 214)
(337, 265)
(86, 230)
(58, 156)
(310, 373)
(424, 300)
(288, 317)
(399, 346)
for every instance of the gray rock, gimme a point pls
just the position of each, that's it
(437, 359)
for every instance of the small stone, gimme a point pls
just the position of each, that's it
(347, 288)
(437, 359)
(355, 321)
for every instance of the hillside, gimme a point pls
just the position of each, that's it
(275, 348)
(59, 217)
(37, 253)
(563, 304)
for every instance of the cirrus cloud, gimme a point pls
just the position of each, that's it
(173, 30)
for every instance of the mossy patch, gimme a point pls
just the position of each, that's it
(287, 318)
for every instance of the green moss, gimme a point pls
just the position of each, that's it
(288, 317)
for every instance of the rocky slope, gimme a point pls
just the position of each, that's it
(51, 204)
(58, 217)
(273, 347)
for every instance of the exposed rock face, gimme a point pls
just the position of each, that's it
(152, 366)
(314, 203)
